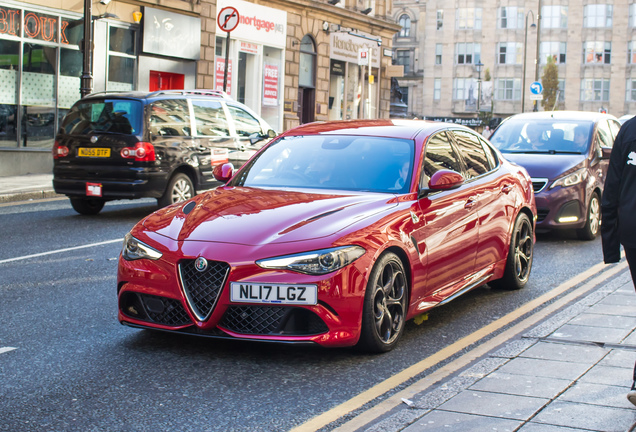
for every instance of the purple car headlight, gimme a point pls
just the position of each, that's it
(315, 262)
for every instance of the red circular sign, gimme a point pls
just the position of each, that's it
(228, 19)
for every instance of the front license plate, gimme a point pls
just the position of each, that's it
(93, 152)
(276, 294)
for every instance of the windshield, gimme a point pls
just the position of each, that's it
(111, 116)
(543, 136)
(332, 162)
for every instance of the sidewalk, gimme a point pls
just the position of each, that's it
(570, 373)
(26, 187)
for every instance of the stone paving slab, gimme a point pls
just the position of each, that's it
(611, 309)
(597, 394)
(450, 421)
(610, 321)
(619, 358)
(494, 405)
(545, 368)
(522, 385)
(587, 354)
(609, 375)
(593, 334)
(587, 417)
(535, 427)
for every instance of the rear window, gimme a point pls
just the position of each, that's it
(107, 116)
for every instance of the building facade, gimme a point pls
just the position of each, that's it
(465, 46)
(291, 61)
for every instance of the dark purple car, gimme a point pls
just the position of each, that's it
(566, 153)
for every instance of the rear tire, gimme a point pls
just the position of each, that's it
(180, 188)
(519, 261)
(593, 220)
(87, 206)
(385, 303)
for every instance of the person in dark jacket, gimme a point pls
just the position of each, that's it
(618, 207)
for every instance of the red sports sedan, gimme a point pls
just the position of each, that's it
(334, 234)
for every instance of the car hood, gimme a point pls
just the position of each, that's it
(545, 165)
(258, 216)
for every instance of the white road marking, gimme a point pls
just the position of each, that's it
(60, 251)
(6, 349)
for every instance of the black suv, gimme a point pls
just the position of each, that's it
(161, 145)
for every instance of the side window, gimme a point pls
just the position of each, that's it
(473, 153)
(439, 155)
(244, 122)
(491, 154)
(209, 118)
(604, 135)
(170, 117)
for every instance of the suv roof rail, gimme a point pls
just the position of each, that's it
(208, 92)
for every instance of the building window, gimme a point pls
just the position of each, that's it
(437, 89)
(508, 89)
(597, 52)
(468, 19)
(405, 95)
(556, 50)
(631, 90)
(554, 17)
(405, 22)
(632, 15)
(438, 54)
(468, 53)
(122, 58)
(403, 58)
(440, 19)
(509, 53)
(631, 52)
(595, 90)
(510, 17)
(464, 88)
(561, 91)
(597, 15)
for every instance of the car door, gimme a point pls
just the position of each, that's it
(244, 125)
(447, 229)
(492, 193)
(598, 165)
(212, 135)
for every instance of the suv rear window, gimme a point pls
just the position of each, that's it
(112, 116)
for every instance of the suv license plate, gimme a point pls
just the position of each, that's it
(93, 152)
(273, 293)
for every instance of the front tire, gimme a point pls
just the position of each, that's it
(385, 303)
(519, 261)
(87, 206)
(180, 188)
(593, 220)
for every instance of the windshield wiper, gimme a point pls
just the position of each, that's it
(543, 152)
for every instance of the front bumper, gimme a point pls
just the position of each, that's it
(561, 208)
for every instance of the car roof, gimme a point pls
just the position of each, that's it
(163, 94)
(563, 115)
(395, 128)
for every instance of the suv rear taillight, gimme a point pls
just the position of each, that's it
(59, 150)
(142, 152)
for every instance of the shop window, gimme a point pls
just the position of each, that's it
(9, 54)
(122, 60)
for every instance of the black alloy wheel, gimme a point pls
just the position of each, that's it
(519, 261)
(385, 305)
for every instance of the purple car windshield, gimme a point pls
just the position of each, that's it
(356, 163)
(551, 136)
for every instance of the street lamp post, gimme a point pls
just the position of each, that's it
(87, 48)
(525, 46)
(478, 65)
(536, 60)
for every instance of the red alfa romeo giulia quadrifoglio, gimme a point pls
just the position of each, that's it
(335, 234)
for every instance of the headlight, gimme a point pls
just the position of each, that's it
(571, 179)
(316, 262)
(134, 250)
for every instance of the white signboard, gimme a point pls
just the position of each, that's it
(257, 23)
(345, 47)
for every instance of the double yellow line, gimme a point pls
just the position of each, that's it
(383, 387)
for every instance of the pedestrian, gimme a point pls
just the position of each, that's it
(486, 132)
(618, 208)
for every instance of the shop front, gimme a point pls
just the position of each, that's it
(255, 59)
(353, 90)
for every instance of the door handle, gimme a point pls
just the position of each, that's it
(506, 189)
(469, 204)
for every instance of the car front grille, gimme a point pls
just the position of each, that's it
(159, 310)
(542, 213)
(272, 320)
(202, 288)
(538, 184)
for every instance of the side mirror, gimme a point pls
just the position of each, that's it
(606, 152)
(223, 172)
(445, 180)
(256, 137)
(271, 133)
